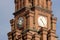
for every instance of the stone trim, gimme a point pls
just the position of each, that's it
(10, 33)
(29, 29)
(42, 9)
(20, 10)
(52, 36)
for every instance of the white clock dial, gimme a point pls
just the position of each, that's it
(42, 21)
(20, 21)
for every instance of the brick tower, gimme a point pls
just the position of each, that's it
(33, 20)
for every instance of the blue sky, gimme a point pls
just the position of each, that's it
(6, 10)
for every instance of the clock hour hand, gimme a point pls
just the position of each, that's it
(42, 22)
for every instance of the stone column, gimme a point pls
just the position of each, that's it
(40, 3)
(35, 2)
(49, 5)
(52, 35)
(30, 20)
(26, 3)
(37, 37)
(16, 2)
(54, 19)
(52, 31)
(12, 24)
(10, 36)
(18, 34)
(44, 3)
(27, 36)
(15, 7)
(44, 34)
(19, 4)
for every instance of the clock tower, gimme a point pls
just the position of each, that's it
(33, 20)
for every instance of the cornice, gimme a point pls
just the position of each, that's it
(10, 33)
(42, 9)
(32, 8)
(51, 31)
(54, 18)
(49, 35)
(20, 10)
(29, 29)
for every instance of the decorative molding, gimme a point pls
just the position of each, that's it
(42, 9)
(20, 10)
(29, 29)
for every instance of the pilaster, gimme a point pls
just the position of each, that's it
(27, 35)
(10, 35)
(16, 3)
(35, 2)
(26, 3)
(49, 5)
(18, 34)
(40, 3)
(30, 34)
(43, 33)
(54, 19)
(37, 36)
(52, 35)
(30, 18)
(12, 24)
(44, 4)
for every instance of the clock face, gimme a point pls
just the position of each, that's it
(20, 21)
(42, 21)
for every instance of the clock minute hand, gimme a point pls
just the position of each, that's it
(42, 21)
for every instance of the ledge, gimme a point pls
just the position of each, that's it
(10, 33)
(20, 10)
(29, 29)
(40, 8)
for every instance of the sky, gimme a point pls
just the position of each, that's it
(6, 13)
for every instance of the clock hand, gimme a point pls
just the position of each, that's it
(42, 22)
